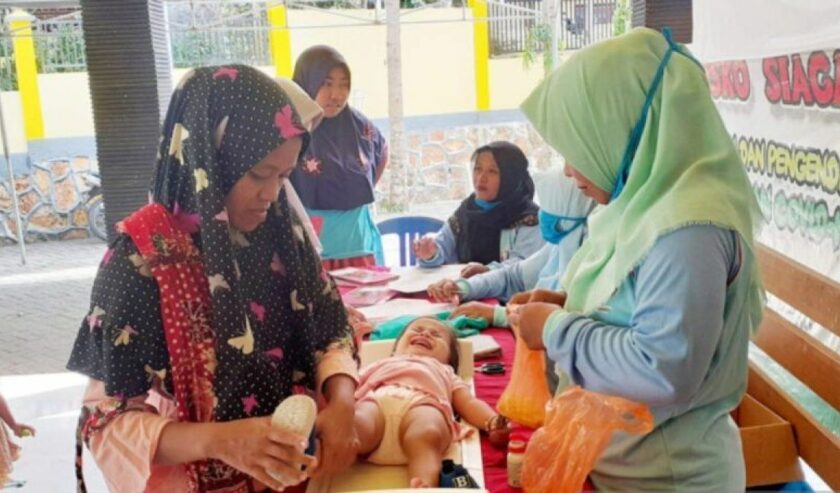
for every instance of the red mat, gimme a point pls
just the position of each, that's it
(489, 388)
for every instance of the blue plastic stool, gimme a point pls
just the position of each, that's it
(409, 228)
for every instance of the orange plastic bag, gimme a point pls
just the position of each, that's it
(578, 427)
(527, 393)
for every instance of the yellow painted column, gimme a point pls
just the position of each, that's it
(20, 23)
(481, 42)
(280, 40)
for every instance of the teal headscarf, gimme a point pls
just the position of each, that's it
(564, 209)
(683, 169)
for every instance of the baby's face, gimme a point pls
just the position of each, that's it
(426, 337)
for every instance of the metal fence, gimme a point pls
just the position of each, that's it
(60, 44)
(585, 22)
(213, 33)
(193, 47)
(208, 32)
(59, 47)
(510, 25)
(580, 22)
(201, 33)
(8, 74)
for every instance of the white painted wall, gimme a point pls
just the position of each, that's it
(438, 72)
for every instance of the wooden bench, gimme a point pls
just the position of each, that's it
(801, 354)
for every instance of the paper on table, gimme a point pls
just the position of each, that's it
(368, 295)
(401, 306)
(484, 346)
(363, 276)
(417, 279)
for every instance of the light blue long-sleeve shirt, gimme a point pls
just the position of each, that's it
(674, 337)
(506, 280)
(515, 244)
(542, 270)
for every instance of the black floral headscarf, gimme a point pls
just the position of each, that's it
(274, 311)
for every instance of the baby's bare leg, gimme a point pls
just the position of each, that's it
(370, 425)
(425, 437)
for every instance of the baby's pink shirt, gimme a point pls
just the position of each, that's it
(421, 373)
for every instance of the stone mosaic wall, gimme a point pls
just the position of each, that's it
(438, 167)
(52, 201)
(53, 197)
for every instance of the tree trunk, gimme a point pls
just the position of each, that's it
(398, 190)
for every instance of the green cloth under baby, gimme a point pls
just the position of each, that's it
(462, 325)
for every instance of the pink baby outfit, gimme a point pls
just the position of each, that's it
(401, 383)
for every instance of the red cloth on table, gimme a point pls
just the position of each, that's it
(489, 388)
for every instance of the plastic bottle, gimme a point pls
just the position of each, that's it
(516, 453)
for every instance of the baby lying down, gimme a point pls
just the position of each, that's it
(405, 404)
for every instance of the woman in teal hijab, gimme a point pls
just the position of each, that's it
(664, 294)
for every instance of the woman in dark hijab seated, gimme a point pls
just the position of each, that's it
(496, 224)
(342, 165)
(211, 307)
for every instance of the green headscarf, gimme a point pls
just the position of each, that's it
(685, 170)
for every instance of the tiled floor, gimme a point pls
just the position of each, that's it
(50, 403)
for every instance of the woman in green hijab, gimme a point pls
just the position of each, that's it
(664, 294)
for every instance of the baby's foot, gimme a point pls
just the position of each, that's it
(418, 483)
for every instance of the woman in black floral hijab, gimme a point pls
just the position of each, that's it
(211, 307)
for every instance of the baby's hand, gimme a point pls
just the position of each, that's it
(498, 431)
(21, 430)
